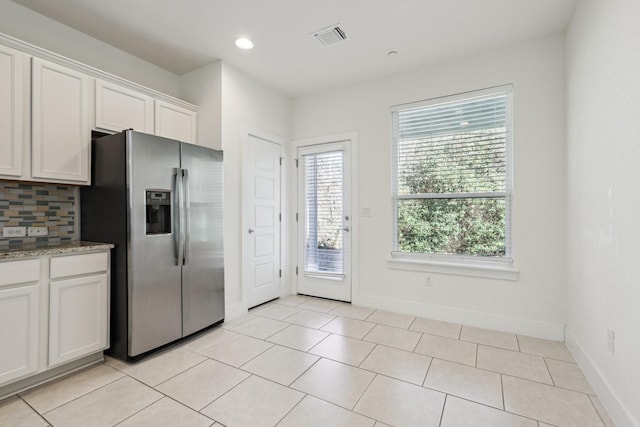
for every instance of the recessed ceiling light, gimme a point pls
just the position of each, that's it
(243, 43)
(392, 53)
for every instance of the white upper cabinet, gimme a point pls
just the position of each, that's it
(11, 111)
(48, 110)
(119, 108)
(60, 127)
(175, 122)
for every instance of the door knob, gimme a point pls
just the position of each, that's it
(251, 230)
(346, 229)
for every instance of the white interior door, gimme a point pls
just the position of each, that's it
(324, 220)
(262, 220)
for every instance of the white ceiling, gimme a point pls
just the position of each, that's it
(182, 35)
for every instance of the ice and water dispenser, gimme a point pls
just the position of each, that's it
(158, 207)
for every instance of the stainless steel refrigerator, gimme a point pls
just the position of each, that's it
(160, 202)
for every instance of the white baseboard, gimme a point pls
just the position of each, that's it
(620, 415)
(233, 311)
(534, 328)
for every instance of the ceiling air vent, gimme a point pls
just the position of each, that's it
(330, 35)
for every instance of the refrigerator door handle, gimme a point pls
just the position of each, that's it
(180, 215)
(187, 215)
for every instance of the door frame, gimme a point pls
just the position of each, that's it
(355, 210)
(244, 202)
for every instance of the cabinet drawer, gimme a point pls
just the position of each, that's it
(16, 272)
(76, 265)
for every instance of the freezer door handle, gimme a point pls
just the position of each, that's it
(180, 216)
(187, 215)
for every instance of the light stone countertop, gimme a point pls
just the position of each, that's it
(32, 250)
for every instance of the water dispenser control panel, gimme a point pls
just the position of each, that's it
(158, 209)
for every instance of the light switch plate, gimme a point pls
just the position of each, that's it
(38, 231)
(14, 231)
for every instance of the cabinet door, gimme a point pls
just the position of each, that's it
(78, 317)
(175, 122)
(119, 108)
(60, 127)
(11, 105)
(19, 316)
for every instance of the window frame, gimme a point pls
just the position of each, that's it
(501, 267)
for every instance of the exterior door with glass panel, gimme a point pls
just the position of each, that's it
(324, 221)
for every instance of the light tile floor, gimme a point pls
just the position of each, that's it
(303, 361)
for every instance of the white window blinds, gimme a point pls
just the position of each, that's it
(452, 175)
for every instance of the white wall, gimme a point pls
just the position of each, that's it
(24, 24)
(203, 87)
(535, 303)
(247, 105)
(603, 128)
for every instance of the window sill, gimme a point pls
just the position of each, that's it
(458, 269)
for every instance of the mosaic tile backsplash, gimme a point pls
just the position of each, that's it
(38, 205)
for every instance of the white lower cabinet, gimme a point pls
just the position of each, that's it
(78, 306)
(77, 317)
(19, 332)
(54, 316)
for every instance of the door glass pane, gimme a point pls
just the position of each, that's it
(324, 213)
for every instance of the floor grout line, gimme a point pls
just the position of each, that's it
(504, 406)
(426, 374)
(33, 409)
(444, 406)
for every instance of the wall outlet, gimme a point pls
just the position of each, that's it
(38, 231)
(428, 280)
(14, 231)
(611, 340)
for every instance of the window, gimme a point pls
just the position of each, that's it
(323, 209)
(452, 178)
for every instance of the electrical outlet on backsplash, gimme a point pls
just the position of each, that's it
(25, 204)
